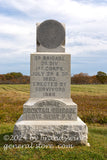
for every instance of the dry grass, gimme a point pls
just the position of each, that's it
(91, 109)
(91, 100)
(12, 98)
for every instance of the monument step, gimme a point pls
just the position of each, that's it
(55, 132)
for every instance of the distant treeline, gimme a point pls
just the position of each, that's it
(81, 78)
(84, 78)
(14, 78)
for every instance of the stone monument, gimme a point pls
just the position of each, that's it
(50, 115)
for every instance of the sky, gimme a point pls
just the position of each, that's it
(86, 32)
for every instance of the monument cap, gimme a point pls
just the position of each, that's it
(50, 34)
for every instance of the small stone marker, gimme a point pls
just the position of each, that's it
(50, 111)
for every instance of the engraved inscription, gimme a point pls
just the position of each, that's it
(51, 116)
(50, 76)
(50, 110)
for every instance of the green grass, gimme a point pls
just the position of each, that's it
(92, 108)
(75, 89)
(15, 88)
(89, 89)
(97, 151)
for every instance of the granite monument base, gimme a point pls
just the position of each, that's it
(51, 132)
(51, 121)
(49, 109)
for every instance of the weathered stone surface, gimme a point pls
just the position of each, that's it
(40, 48)
(50, 75)
(49, 109)
(57, 132)
(50, 34)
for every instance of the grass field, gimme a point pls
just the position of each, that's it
(92, 108)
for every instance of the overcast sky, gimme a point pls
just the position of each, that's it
(86, 32)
